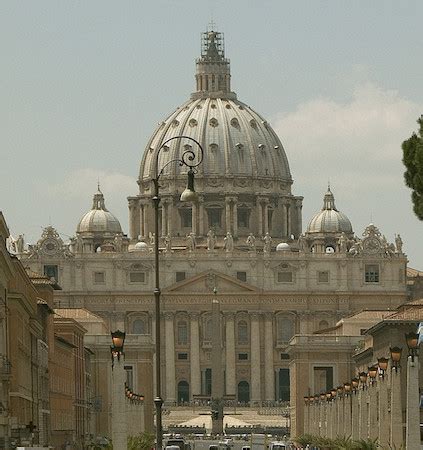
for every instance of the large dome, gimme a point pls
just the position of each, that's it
(99, 219)
(244, 181)
(329, 219)
(237, 141)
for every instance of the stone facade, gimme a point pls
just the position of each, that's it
(276, 285)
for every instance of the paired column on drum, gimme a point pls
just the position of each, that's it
(262, 215)
(134, 220)
(231, 215)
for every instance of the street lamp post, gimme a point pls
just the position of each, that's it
(190, 159)
(119, 425)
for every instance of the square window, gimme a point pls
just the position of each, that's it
(242, 276)
(284, 356)
(284, 277)
(183, 356)
(242, 356)
(137, 277)
(371, 274)
(323, 277)
(99, 277)
(180, 276)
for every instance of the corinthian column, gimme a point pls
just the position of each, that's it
(255, 359)
(269, 378)
(228, 214)
(235, 218)
(230, 354)
(195, 355)
(170, 359)
(169, 216)
(194, 218)
(164, 218)
(201, 216)
(259, 217)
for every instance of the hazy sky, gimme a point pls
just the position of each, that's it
(84, 83)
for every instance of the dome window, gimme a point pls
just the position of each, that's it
(228, 106)
(241, 107)
(213, 122)
(193, 123)
(253, 123)
(234, 122)
(213, 106)
(239, 146)
(262, 147)
(175, 123)
(198, 106)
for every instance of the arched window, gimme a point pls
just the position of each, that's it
(323, 324)
(183, 392)
(182, 332)
(242, 332)
(285, 329)
(138, 327)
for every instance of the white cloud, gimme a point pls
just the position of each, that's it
(66, 201)
(356, 145)
(82, 183)
(349, 143)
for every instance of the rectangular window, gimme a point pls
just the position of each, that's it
(180, 276)
(323, 379)
(243, 356)
(52, 271)
(182, 356)
(284, 385)
(186, 217)
(284, 356)
(371, 274)
(243, 218)
(242, 276)
(284, 277)
(323, 277)
(137, 277)
(129, 376)
(215, 216)
(99, 277)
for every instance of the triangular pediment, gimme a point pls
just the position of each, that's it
(205, 282)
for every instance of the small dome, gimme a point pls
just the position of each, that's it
(141, 247)
(99, 219)
(283, 247)
(329, 219)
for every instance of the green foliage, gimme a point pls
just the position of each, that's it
(412, 150)
(143, 441)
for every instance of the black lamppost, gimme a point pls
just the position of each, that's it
(190, 159)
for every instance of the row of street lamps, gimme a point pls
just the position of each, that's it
(340, 411)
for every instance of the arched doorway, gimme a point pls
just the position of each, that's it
(183, 392)
(243, 392)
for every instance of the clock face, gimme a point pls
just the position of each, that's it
(371, 245)
(50, 246)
